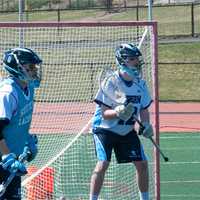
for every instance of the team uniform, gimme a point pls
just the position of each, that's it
(114, 125)
(16, 109)
(17, 106)
(118, 134)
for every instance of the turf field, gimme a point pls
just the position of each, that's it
(180, 178)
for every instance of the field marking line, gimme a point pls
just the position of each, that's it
(193, 136)
(182, 163)
(180, 181)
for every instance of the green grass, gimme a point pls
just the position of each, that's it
(179, 52)
(180, 80)
(184, 77)
(180, 177)
(73, 168)
(168, 24)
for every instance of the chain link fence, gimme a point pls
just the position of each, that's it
(177, 23)
(173, 19)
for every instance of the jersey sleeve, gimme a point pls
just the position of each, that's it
(146, 97)
(8, 103)
(102, 99)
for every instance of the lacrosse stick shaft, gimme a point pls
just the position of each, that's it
(159, 150)
(5, 184)
(152, 140)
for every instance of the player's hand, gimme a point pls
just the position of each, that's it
(10, 163)
(32, 144)
(124, 112)
(147, 131)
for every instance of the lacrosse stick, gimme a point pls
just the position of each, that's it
(166, 159)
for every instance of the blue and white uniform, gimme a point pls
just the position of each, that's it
(23, 66)
(117, 130)
(17, 106)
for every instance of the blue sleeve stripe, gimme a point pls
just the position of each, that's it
(101, 103)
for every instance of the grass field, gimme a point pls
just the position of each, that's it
(180, 177)
(180, 80)
(168, 24)
(185, 77)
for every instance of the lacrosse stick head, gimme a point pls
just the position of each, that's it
(110, 85)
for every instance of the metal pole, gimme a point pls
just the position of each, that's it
(21, 19)
(137, 11)
(150, 2)
(192, 19)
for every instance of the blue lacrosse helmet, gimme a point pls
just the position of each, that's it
(15, 59)
(124, 52)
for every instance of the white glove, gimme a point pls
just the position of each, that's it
(148, 130)
(124, 112)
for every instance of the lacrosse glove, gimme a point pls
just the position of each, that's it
(147, 130)
(124, 112)
(10, 163)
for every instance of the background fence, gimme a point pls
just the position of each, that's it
(178, 30)
(177, 20)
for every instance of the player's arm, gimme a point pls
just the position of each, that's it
(108, 112)
(144, 115)
(7, 107)
(9, 160)
(122, 112)
(147, 129)
(3, 147)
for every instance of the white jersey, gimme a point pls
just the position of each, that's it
(137, 93)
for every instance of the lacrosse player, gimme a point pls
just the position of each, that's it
(113, 126)
(16, 108)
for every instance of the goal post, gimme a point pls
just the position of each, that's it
(73, 55)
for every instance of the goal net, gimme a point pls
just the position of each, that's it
(73, 55)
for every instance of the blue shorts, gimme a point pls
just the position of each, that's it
(127, 148)
(13, 190)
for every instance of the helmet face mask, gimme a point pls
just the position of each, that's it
(32, 72)
(23, 64)
(129, 60)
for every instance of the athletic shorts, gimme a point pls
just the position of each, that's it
(13, 190)
(127, 148)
